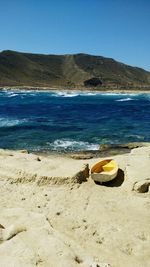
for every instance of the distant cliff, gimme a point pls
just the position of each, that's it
(69, 71)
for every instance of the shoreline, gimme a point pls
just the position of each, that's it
(105, 150)
(82, 90)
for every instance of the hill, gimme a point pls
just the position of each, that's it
(69, 71)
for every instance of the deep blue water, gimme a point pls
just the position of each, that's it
(40, 121)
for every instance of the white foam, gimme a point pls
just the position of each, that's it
(61, 144)
(12, 95)
(9, 92)
(109, 94)
(119, 94)
(6, 122)
(125, 99)
(90, 93)
(65, 94)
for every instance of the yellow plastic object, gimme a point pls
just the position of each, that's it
(104, 171)
(109, 166)
(98, 167)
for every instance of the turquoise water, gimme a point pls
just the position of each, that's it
(60, 121)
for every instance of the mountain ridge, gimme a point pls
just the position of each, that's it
(69, 71)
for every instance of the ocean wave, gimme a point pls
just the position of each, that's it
(125, 99)
(74, 94)
(65, 94)
(7, 122)
(120, 94)
(135, 136)
(89, 94)
(18, 92)
(12, 95)
(8, 92)
(59, 145)
(110, 94)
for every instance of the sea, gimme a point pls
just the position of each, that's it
(63, 121)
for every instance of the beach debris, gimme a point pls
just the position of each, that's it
(24, 151)
(58, 213)
(95, 264)
(142, 186)
(78, 259)
(104, 171)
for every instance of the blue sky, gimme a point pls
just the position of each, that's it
(113, 28)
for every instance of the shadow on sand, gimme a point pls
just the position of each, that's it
(118, 181)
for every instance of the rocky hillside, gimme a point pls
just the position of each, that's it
(69, 71)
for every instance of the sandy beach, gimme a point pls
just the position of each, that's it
(53, 214)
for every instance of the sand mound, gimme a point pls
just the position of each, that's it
(18, 167)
